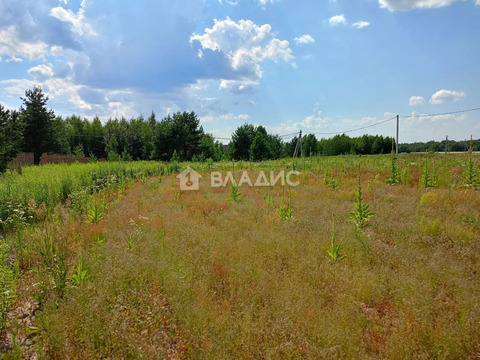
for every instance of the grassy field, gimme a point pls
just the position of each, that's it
(136, 268)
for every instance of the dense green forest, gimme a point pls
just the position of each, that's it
(35, 128)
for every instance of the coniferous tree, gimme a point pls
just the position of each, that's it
(112, 149)
(309, 145)
(97, 139)
(59, 137)
(11, 132)
(242, 140)
(37, 120)
(181, 132)
(259, 150)
(210, 149)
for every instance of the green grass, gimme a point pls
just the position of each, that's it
(207, 278)
(53, 184)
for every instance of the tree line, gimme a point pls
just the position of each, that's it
(35, 128)
(440, 146)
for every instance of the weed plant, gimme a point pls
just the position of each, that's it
(333, 252)
(471, 176)
(361, 215)
(235, 194)
(211, 281)
(394, 178)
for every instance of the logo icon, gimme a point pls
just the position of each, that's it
(189, 179)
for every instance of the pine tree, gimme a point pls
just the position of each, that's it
(10, 136)
(37, 120)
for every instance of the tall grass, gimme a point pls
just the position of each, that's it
(233, 280)
(169, 274)
(52, 184)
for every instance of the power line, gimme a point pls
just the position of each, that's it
(280, 136)
(360, 128)
(439, 114)
(288, 135)
(338, 132)
(379, 123)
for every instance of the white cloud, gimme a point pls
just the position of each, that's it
(121, 109)
(11, 44)
(310, 123)
(55, 88)
(14, 59)
(79, 24)
(232, 2)
(443, 96)
(337, 20)
(40, 72)
(243, 116)
(477, 2)
(245, 45)
(305, 39)
(314, 122)
(17, 86)
(416, 100)
(56, 50)
(361, 24)
(239, 87)
(206, 119)
(393, 5)
(416, 117)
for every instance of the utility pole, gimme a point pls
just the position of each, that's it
(446, 144)
(301, 144)
(396, 147)
(298, 147)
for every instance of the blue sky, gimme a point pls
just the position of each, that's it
(320, 66)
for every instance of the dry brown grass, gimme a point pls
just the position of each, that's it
(211, 279)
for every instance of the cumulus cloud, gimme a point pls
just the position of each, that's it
(40, 72)
(311, 123)
(337, 20)
(417, 117)
(27, 30)
(394, 5)
(78, 21)
(62, 90)
(13, 45)
(96, 49)
(305, 39)
(361, 24)
(229, 2)
(416, 100)
(14, 59)
(16, 86)
(443, 96)
(244, 44)
(314, 121)
(239, 87)
(160, 60)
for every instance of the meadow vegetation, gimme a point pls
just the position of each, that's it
(112, 260)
